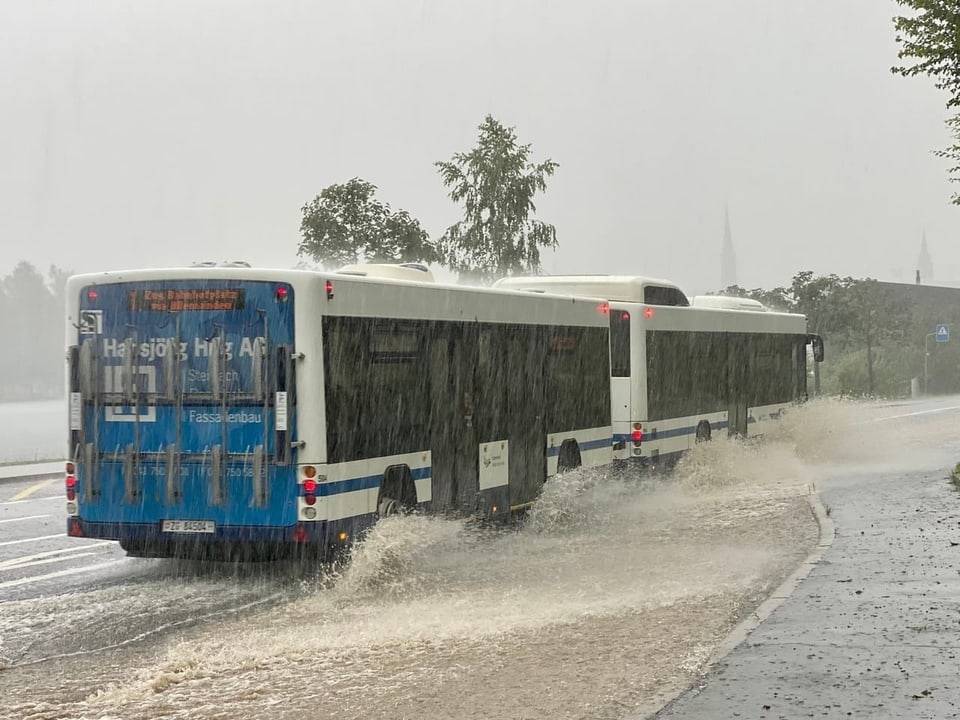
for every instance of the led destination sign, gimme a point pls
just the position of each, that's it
(185, 300)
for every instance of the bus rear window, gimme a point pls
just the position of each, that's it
(619, 343)
(659, 295)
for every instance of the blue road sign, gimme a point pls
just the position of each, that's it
(943, 333)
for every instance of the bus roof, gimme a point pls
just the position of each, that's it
(408, 296)
(620, 288)
(414, 272)
(727, 302)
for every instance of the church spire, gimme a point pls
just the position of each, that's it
(924, 262)
(728, 258)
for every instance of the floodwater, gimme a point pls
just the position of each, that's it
(33, 431)
(605, 603)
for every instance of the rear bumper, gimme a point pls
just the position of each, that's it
(302, 533)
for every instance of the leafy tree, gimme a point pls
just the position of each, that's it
(930, 42)
(497, 183)
(32, 323)
(346, 224)
(870, 316)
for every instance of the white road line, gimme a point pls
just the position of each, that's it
(919, 412)
(20, 502)
(28, 517)
(60, 573)
(34, 539)
(47, 561)
(14, 562)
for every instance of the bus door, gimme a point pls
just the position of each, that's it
(738, 378)
(453, 435)
(524, 371)
(465, 439)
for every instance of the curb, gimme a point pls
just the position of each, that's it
(743, 629)
(786, 588)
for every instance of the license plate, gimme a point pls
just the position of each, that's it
(189, 526)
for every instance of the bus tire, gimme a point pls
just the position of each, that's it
(703, 431)
(569, 457)
(398, 492)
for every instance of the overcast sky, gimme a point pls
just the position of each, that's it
(153, 132)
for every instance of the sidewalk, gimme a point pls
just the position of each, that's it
(872, 632)
(12, 472)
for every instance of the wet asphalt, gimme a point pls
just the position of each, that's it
(873, 631)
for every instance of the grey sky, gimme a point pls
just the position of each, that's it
(159, 132)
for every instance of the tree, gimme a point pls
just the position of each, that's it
(496, 182)
(870, 316)
(930, 41)
(930, 38)
(346, 224)
(32, 325)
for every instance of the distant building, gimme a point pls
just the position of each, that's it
(924, 262)
(728, 258)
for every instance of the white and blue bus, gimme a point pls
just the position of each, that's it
(682, 370)
(236, 411)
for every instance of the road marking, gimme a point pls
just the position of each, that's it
(33, 539)
(47, 561)
(14, 562)
(28, 517)
(27, 492)
(59, 573)
(919, 412)
(20, 502)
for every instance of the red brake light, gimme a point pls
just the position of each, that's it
(310, 499)
(625, 316)
(71, 494)
(603, 308)
(282, 293)
(329, 289)
(310, 486)
(648, 312)
(637, 437)
(91, 294)
(71, 481)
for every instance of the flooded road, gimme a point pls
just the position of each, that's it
(606, 602)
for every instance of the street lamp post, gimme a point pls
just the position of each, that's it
(926, 357)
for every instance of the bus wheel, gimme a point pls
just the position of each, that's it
(388, 506)
(569, 458)
(703, 431)
(397, 491)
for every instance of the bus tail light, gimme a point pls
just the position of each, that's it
(637, 434)
(329, 290)
(71, 468)
(310, 486)
(310, 499)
